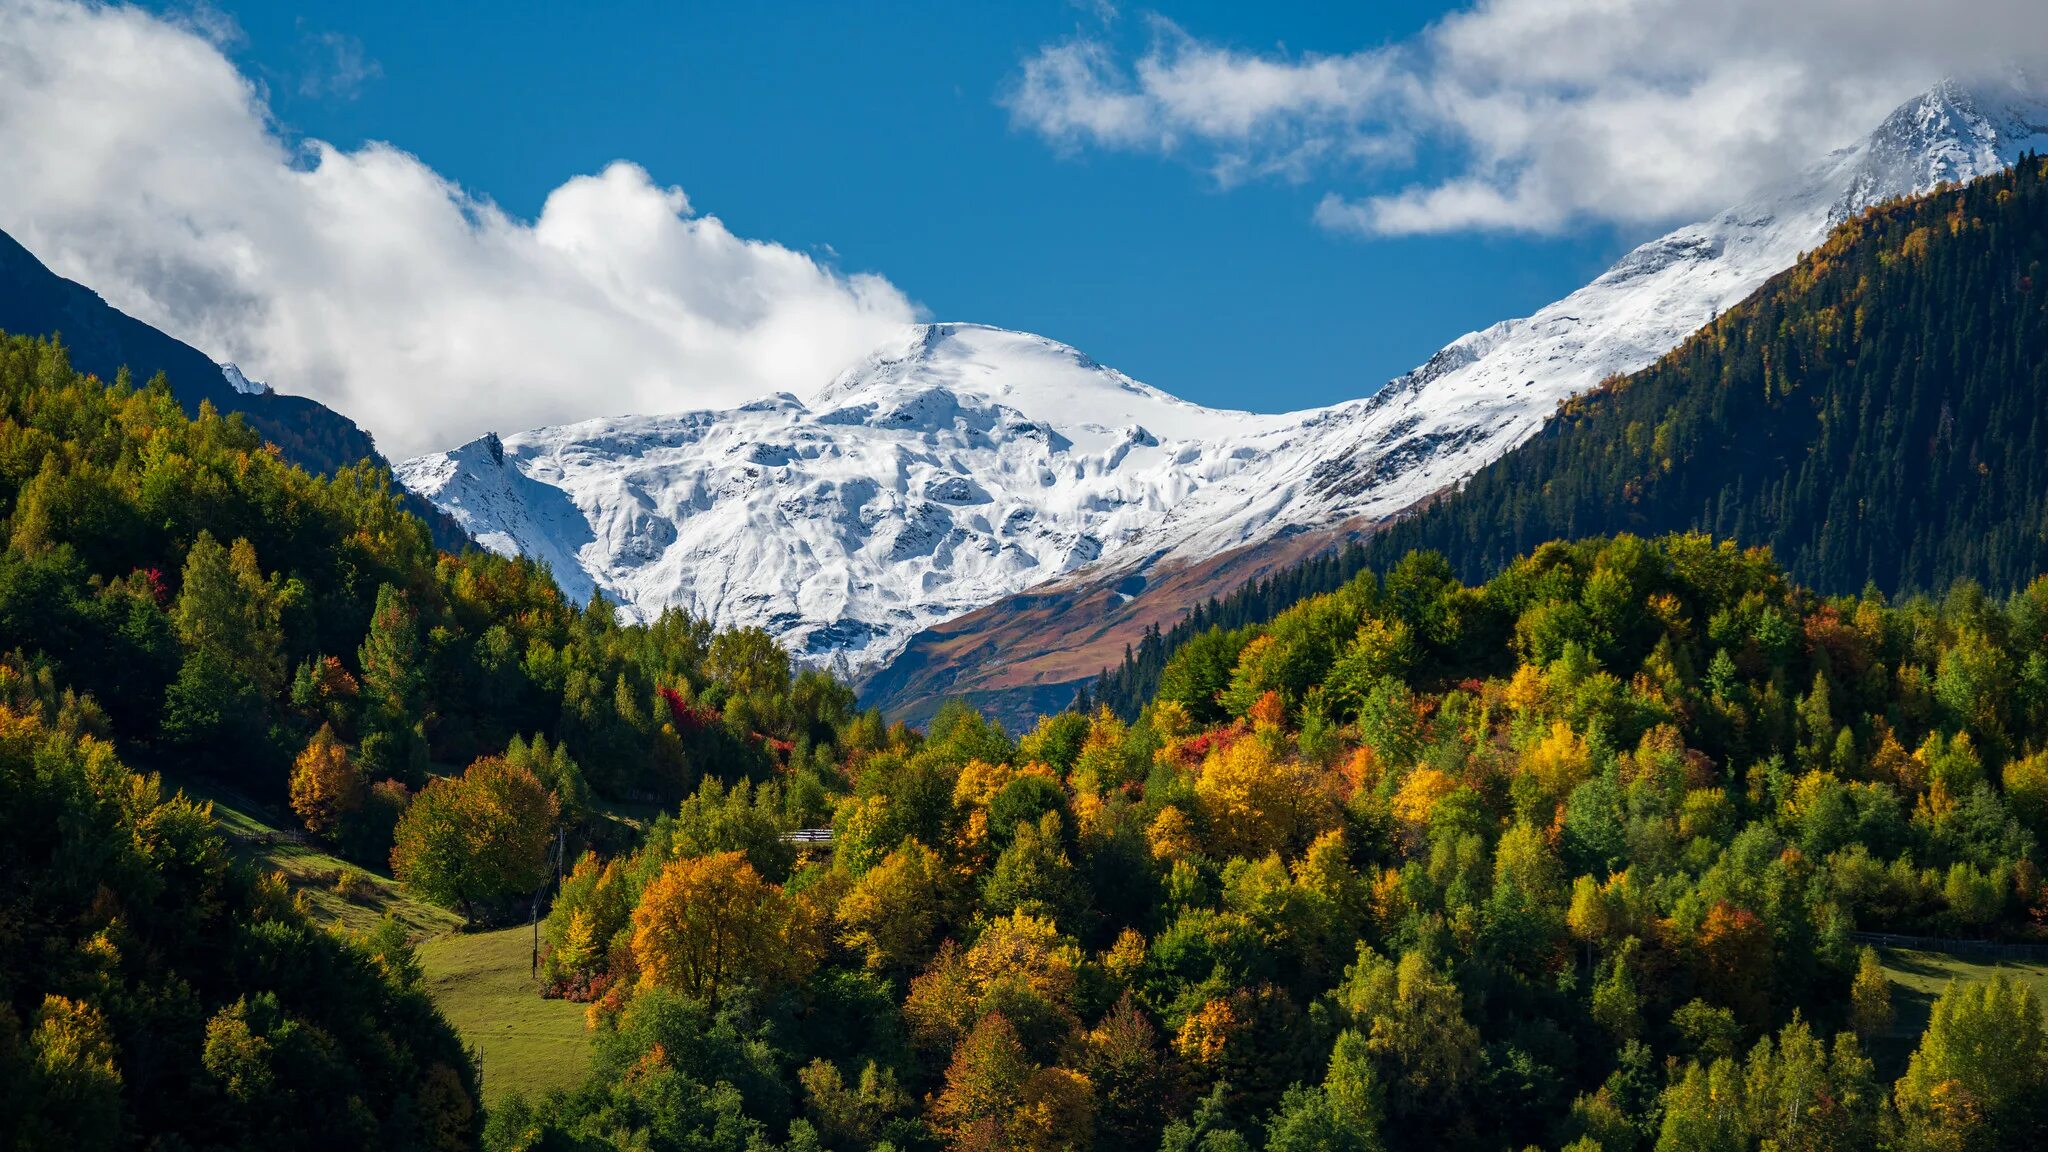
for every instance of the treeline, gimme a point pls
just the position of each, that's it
(1569, 859)
(1873, 415)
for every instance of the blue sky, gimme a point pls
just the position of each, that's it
(873, 136)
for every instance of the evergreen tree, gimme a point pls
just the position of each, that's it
(394, 681)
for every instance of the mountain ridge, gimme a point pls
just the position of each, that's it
(921, 485)
(102, 340)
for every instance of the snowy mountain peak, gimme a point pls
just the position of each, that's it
(933, 368)
(241, 383)
(951, 467)
(960, 463)
(1951, 133)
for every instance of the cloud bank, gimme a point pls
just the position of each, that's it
(142, 163)
(1530, 115)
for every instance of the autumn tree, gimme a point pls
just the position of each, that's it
(592, 911)
(468, 841)
(1870, 996)
(1735, 951)
(892, 910)
(74, 1067)
(1020, 964)
(1254, 801)
(1134, 1087)
(1979, 1078)
(708, 923)
(983, 1081)
(995, 1099)
(326, 788)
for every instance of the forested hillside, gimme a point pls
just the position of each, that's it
(174, 593)
(222, 607)
(1873, 416)
(1569, 859)
(154, 995)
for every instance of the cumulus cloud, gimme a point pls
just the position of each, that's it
(141, 162)
(1534, 115)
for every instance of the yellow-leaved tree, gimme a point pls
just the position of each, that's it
(890, 913)
(327, 788)
(707, 923)
(1254, 801)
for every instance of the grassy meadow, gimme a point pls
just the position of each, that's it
(481, 982)
(1918, 978)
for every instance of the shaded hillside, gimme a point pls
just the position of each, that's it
(1874, 415)
(101, 340)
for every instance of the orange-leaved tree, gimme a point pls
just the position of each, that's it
(327, 788)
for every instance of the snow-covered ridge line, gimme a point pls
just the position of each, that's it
(956, 465)
(960, 464)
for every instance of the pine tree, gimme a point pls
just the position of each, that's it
(393, 690)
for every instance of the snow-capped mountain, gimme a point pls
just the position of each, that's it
(1491, 390)
(953, 467)
(963, 464)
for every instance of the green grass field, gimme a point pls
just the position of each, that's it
(1918, 978)
(480, 981)
(253, 829)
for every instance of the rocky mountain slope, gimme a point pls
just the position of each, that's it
(954, 467)
(967, 465)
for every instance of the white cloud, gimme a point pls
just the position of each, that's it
(142, 163)
(1246, 115)
(1536, 114)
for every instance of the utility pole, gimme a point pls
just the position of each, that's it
(561, 837)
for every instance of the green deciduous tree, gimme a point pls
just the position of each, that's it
(470, 841)
(1979, 1078)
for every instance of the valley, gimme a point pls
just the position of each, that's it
(833, 729)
